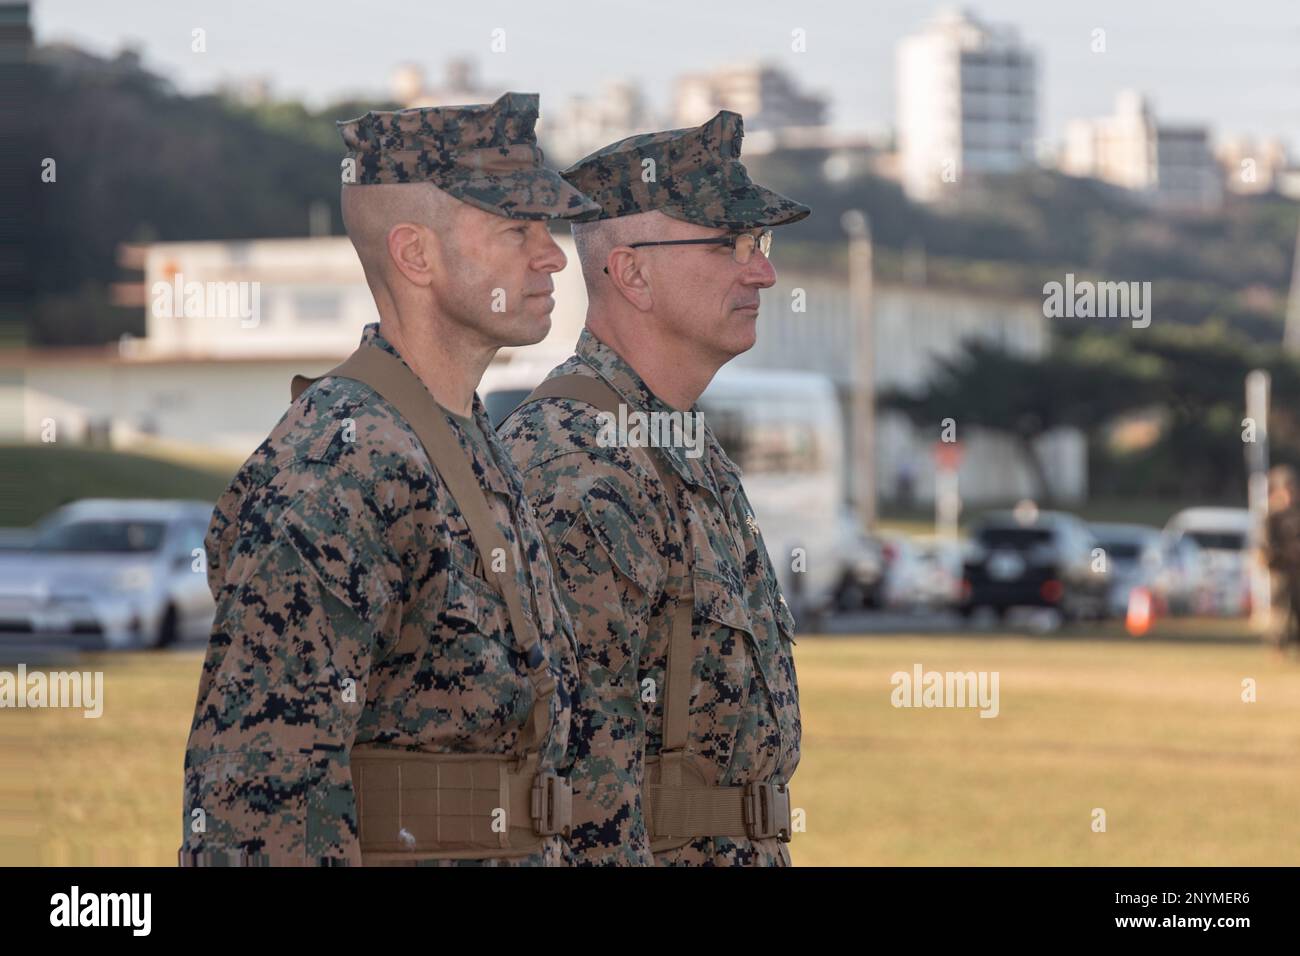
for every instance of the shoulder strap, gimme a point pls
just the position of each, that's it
(395, 382)
(677, 692)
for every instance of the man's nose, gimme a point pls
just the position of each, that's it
(759, 271)
(549, 257)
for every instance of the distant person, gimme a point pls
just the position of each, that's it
(1281, 547)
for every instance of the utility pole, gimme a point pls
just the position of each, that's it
(1291, 331)
(862, 378)
(1257, 397)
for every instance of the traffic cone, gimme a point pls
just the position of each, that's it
(1138, 621)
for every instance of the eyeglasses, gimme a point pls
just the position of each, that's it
(742, 244)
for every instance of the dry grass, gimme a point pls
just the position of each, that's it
(1155, 734)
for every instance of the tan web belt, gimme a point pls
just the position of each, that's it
(414, 805)
(758, 811)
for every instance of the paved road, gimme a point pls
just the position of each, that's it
(901, 623)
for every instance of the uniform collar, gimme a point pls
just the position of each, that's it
(611, 366)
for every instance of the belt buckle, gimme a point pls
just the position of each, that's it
(551, 804)
(767, 811)
(230, 856)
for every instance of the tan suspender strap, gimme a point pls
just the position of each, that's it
(395, 382)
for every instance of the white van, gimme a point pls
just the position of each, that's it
(784, 430)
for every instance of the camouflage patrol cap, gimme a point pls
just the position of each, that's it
(484, 155)
(696, 176)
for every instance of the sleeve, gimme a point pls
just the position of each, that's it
(602, 535)
(284, 682)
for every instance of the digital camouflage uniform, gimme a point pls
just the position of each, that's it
(337, 538)
(1282, 553)
(621, 551)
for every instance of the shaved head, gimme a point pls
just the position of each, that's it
(440, 267)
(370, 212)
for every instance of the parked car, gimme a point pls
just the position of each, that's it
(938, 573)
(901, 569)
(1135, 557)
(1225, 537)
(1181, 582)
(862, 564)
(1037, 559)
(921, 573)
(114, 573)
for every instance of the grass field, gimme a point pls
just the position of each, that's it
(1156, 734)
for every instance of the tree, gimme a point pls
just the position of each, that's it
(1025, 397)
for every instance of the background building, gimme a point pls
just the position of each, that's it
(586, 123)
(914, 327)
(1258, 165)
(1171, 166)
(1118, 149)
(765, 95)
(460, 85)
(218, 383)
(967, 103)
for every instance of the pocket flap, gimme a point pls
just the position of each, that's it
(717, 600)
(476, 602)
(624, 536)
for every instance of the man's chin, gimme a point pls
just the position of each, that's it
(745, 331)
(529, 330)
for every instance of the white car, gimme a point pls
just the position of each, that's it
(111, 573)
(1226, 537)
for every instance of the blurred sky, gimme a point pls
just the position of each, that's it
(1234, 64)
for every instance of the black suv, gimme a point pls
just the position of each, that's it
(1045, 559)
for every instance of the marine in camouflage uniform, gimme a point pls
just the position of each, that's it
(621, 550)
(1281, 552)
(337, 545)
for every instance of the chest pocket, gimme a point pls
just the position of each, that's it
(473, 606)
(718, 600)
(479, 653)
(725, 644)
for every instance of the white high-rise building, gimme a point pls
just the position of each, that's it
(967, 103)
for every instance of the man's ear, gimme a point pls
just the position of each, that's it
(409, 246)
(629, 278)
